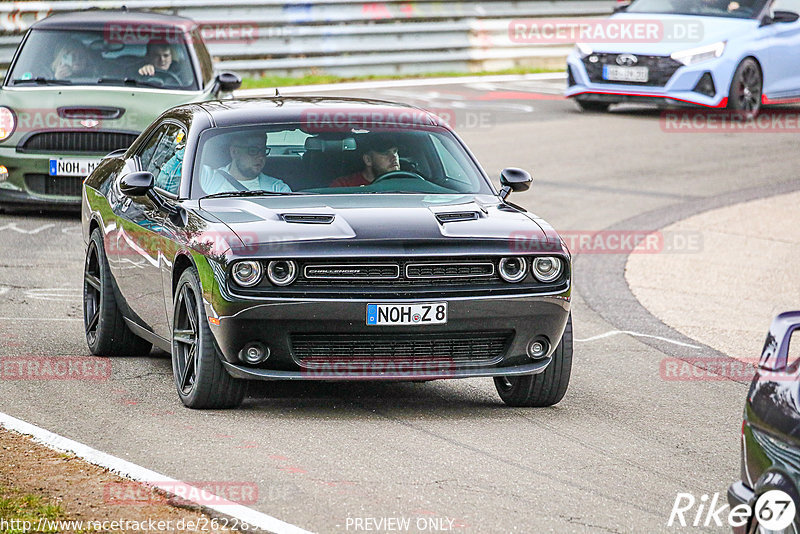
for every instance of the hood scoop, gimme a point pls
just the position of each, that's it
(457, 216)
(307, 218)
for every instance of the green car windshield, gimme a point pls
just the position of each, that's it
(61, 57)
(304, 159)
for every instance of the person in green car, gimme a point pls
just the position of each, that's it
(72, 60)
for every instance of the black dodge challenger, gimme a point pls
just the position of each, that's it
(321, 239)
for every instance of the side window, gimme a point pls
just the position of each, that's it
(163, 156)
(203, 57)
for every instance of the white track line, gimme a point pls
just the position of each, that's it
(146, 476)
(36, 319)
(412, 82)
(635, 334)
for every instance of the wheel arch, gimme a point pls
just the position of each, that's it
(757, 61)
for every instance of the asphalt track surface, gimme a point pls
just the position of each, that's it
(611, 457)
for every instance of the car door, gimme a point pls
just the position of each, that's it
(784, 80)
(146, 231)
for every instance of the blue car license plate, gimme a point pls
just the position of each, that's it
(406, 314)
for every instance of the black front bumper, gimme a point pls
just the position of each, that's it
(275, 322)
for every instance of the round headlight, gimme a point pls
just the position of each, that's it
(282, 272)
(247, 273)
(512, 269)
(547, 268)
(7, 122)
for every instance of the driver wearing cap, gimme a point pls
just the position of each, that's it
(379, 155)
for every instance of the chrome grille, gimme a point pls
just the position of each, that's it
(449, 270)
(322, 350)
(352, 272)
(409, 272)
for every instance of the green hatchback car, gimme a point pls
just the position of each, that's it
(84, 84)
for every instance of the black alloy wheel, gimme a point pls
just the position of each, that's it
(746, 88)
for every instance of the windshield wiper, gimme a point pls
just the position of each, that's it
(40, 80)
(253, 193)
(129, 81)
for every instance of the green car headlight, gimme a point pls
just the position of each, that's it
(8, 122)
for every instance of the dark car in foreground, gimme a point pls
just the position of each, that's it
(246, 238)
(771, 433)
(86, 83)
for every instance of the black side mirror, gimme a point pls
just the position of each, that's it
(136, 184)
(621, 8)
(513, 179)
(778, 17)
(785, 16)
(227, 82)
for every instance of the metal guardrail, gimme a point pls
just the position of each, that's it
(346, 37)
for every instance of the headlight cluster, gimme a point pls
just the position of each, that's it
(8, 122)
(544, 268)
(697, 55)
(249, 273)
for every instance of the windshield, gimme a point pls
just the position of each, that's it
(60, 57)
(298, 158)
(742, 9)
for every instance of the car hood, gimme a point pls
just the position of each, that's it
(388, 222)
(36, 107)
(711, 30)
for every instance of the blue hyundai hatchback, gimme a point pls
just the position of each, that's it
(735, 54)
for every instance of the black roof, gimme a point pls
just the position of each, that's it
(280, 109)
(99, 19)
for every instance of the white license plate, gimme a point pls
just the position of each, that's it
(73, 167)
(625, 74)
(406, 314)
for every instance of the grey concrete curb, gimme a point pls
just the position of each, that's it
(601, 275)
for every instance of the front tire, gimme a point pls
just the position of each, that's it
(106, 331)
(199, 375)
(746, 88)
(546, 388)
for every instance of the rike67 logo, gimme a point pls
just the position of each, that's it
(774, 511)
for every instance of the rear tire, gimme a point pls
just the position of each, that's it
(106, 331)
(593, 106)
(200, 378)
(546, 388)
